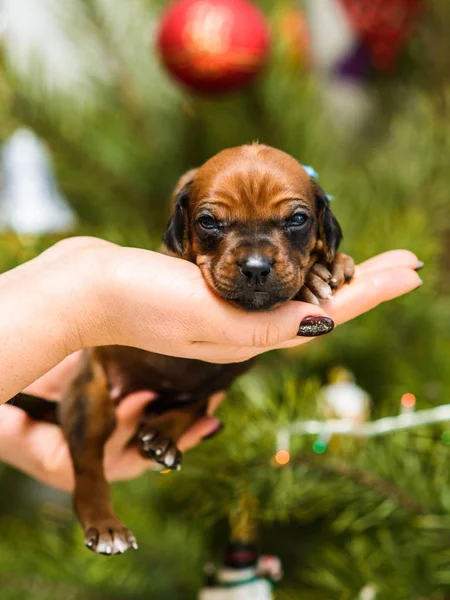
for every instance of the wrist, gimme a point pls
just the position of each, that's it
(81, 301)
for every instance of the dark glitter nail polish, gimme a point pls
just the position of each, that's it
(315, 326)
(420, 265)
(213, 433)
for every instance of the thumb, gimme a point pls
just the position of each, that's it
(128, 414)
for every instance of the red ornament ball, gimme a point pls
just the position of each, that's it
(213, 45)
(383, 25)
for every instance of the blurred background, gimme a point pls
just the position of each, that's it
(103, 105)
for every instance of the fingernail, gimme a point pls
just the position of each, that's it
(420, 265)
(315, 326)
(420, 283)
(214, 432)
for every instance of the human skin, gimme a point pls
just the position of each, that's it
(86, 292)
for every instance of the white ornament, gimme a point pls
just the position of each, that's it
(238, 584)
(332, 35)
(333, 39)
(369, 592)
(343, 399)
(346, 400)
(30, 202)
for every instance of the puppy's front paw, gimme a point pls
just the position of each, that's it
(342, 270)
(316, 287)
(109, 537)
(160, 448)
(323, 280)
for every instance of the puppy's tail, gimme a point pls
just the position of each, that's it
(37, 408)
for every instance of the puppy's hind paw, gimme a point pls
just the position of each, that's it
(156, 446)
(109, 537)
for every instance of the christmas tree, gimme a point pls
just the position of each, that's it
(350, 517)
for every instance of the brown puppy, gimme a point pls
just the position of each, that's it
(262, 233)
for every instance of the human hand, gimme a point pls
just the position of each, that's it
(162, 304)
(40, 450)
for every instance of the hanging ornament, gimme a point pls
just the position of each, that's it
(343, 399)
(213, 45)
(341, 61)
(30, 202)
(383, 26)
(3, 18)
(243, 576)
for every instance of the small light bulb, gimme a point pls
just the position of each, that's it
(320, 446)
(282, 457)
(408, 400)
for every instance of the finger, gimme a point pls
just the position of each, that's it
(365, 292)
(389, 260)
(128, 465)
(131, 464)
(214, 403)
(201, 429)
(38, 449)
(128, 415)
(321, 271)
(235, 327)
(371, 289)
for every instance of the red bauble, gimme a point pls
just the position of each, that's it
(213, 45)
(383, 25)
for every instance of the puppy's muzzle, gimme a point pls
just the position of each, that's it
(255, 269)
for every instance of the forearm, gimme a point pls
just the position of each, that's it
(40, 316)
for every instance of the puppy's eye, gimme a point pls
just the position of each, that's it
(297, 220)
(208, 222)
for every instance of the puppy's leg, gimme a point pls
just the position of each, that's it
(87, 418)
(159, 435)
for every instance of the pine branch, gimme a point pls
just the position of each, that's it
(361, 477)
(124, 83)
(43, 586)
(24, 111)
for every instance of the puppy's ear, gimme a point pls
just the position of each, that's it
(176, 229)
(175, 233)
(330, 231)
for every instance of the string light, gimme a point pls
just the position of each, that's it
(408, 400)
(282, 457)
(320, 446)
(379, 427)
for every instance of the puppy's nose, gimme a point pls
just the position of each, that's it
(256, 268)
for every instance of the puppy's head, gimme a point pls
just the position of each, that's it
(254, 222)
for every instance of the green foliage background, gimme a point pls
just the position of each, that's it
(375, 513)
